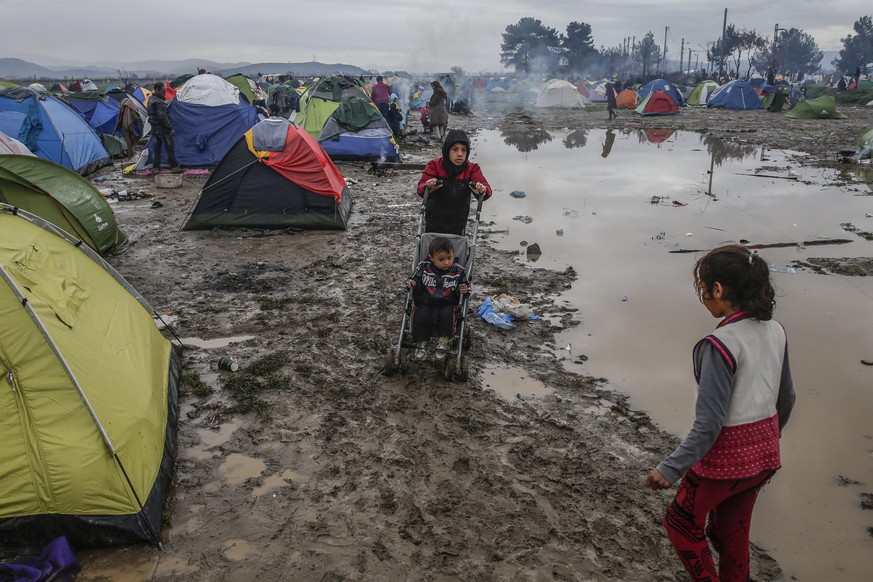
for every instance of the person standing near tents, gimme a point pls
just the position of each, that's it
(162, 129)
(610, 101)
(439, 113)
(380, 93)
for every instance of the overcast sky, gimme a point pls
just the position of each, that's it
(414, 35)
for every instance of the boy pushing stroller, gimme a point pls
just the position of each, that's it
(450, 180)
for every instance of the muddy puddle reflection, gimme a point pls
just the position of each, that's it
(512, 383)
(617, 205)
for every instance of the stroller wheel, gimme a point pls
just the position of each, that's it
(389, 366)
(463, 373)
(405, 356)
(450, 369)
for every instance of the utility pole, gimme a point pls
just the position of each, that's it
(773, 48)
(689, 60)
(721, 58)
(681, 56)
(666, 28)
(633, 49)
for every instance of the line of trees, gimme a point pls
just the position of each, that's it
(531, 47)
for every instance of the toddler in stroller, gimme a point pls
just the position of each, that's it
(437, 285)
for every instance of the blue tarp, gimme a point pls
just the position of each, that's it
(737, 95)
(51, 130)
(204, 133)
(662, 85)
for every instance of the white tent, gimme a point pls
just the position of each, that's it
(207, 89)
(562, 94)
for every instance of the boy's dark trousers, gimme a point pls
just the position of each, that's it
(159, 139)
(427, 319)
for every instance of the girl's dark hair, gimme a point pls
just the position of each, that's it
(440, 244)
(745, 276)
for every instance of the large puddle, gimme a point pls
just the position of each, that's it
(613, 205)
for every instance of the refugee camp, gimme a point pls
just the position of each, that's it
(456, 293)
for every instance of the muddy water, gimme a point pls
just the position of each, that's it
(614, 206)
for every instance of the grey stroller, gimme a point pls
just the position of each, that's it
(401, 356)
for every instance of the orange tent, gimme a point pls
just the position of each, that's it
(627, 99)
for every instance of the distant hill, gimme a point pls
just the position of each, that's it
(17, 68)
(311, 69)
(12, 68)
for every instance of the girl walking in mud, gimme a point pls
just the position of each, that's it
(745, 397)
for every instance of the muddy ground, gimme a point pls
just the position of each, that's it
(310, 464)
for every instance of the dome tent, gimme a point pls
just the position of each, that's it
(357, 131)
(560, 94)
(208, 115)
(275, 176)
(61, 197)
(90, 421)
(736, 95)
(657, 103)
(51, 130)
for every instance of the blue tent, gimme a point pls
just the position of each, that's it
(204, 133)
(665, 86)
(100, 112)
(357, 131)
(737, 94)
(51, 129)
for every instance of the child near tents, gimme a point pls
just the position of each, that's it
(745, 396)
(451, 179)
(437, 285)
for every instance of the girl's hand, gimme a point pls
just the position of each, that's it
(464, 288)
(479, 187)
(410, 283)
(433, 184)
(655, 481)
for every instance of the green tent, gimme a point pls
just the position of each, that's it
(245, 85)
(89, 395)
(700, 95)
(823, 107)
(61, 197)
(322, 99)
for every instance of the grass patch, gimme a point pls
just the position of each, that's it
(268, 364)
(190, 383)
(246, 388)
